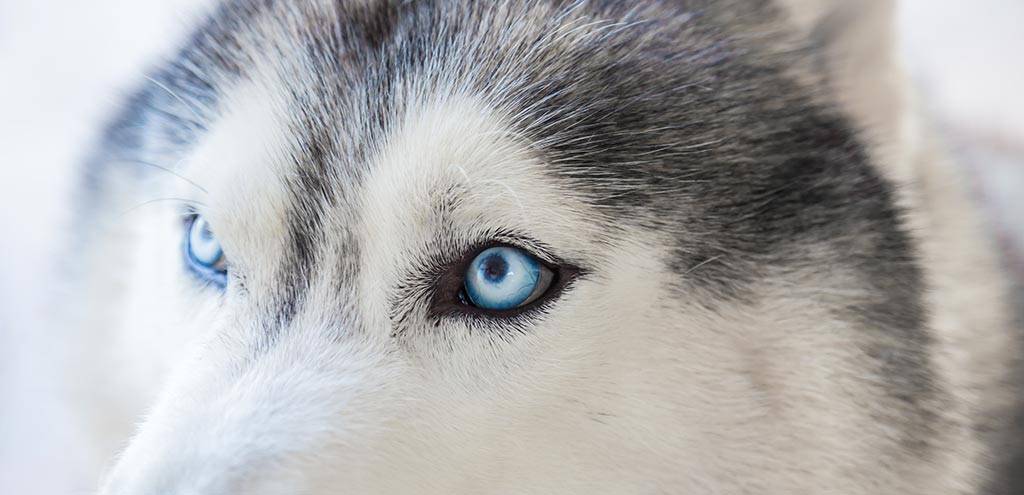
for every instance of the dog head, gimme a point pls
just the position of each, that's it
(519, 247)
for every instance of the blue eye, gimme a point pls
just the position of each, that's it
(203, 253)
(502, 278)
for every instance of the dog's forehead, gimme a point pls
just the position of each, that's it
(321, 106)
(333, 86)
(651, 115)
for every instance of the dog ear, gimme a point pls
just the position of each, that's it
(831, 21)
(846, 32)
(854, 46)
(854, 42)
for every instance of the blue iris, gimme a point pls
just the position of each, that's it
(203, 252)
(503, 278)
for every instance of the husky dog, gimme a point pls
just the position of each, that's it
(593, 246)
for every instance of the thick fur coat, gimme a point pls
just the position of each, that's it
(768, 280)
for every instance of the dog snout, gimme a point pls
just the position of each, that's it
(261, 431)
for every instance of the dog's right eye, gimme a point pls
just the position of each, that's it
(204, 256)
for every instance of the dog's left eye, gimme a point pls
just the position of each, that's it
(504, 278)
(203, 253)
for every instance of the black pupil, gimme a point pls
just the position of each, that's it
(495, 268)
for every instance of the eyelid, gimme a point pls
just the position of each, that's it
(531, 247)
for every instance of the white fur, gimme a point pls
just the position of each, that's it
(763, 398)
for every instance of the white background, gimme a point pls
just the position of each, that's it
(65, 63)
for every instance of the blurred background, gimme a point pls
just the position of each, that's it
(64, 64)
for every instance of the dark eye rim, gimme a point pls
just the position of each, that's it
(199, 270)
(449, 297)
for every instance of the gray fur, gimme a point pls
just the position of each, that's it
(669, 116)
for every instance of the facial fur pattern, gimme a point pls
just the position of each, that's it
(739, 308)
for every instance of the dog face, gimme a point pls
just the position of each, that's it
(527, 247)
